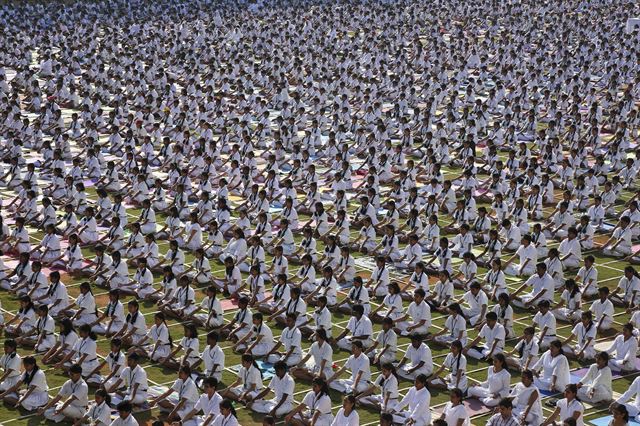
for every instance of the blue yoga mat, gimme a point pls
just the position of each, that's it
(265, 367)
(604, 421)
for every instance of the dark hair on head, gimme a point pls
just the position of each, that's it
(10, 343)
(124, 406)
(210, 381)
(457, 392)
(322, 384)
(505, 403)
(86, 328)
(321, 333)
(491, 316)
(500, 357)
(528, 374)
(104, 395)
(76, 369)
(622, 409)
(421, 378)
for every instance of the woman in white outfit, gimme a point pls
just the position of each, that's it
(554, 367)
(456, 363)
(496, 387)
(527, 398)
(623, 350)
(347, 414)
(387, 383)
(315, 407)
(596, 386)
(35, 382)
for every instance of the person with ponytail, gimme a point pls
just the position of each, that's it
(596, 386)
(554, 367)
(67, 337)
(86, 304)
(567, 408)
(10, 363)
(26, 319)
(190, 345)
(99, 413)
(115, 360)
(496, 387)
(527, 349)
(209, 314)
(315, 407)
(248, 384)
(387, 383)
(455, 327)
(347, 414)
(112, 319)
(35, 381)
(134, 378)
(134, 329)
(42, 337)
(82, 353)
(585, 334)
(456, 363)
(156, 345)
(227, 416)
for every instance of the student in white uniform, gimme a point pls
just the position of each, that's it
(180, 399)
(455, 327)
(259, 341)
(496, 387)
(315, 407)
(112, 318)
(603, 310)
(417, 319)
(282, 385)
(99, 411)
(115, 361)
(358, 365)
(387, 384)
(385, 346)
(347, 414)
(494, 336)
(588, 277)
(552, 369)
(546, 324)
(189, 345)
(212, 314)
(35, 383)
(526, 399)
(248, 384)
(125, 418)
(569, 307)
(291, 341)
(359, 328)
(322, 363)
(454, 412)
(134, 378)
(416, 360)
(72, 400)
(42, 336)
(134, 329)
(213, 357)
(11, 364)
(456, 363)
(632, 406)
(567, 407)
(82, 353)
(208, 404)
(417, 402)
(596, 386)
(86, 304)
(527, 349)
(623, 350)
(542, 288)
(585, 334)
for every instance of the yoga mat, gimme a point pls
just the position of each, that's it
(604, 421)
(265, 367)
(474, 408)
